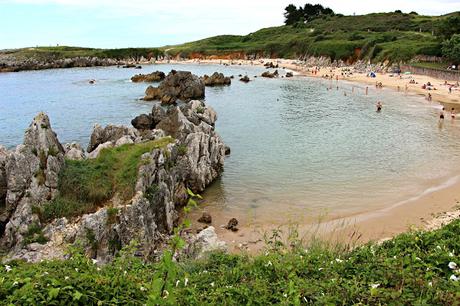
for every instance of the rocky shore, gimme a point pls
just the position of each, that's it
(187, 154)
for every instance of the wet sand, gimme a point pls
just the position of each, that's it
(424, 211)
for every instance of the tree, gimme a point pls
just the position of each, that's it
(449, 26)
(451, 48)
(292, 15)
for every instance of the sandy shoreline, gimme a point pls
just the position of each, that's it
(428, 210)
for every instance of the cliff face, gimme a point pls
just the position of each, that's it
(192, 157)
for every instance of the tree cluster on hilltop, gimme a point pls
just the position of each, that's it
(304, 14)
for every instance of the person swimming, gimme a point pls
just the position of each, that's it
(379, 106)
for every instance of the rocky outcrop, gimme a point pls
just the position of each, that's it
(205, 242)
(268, 74)
(13, 64)
(245, 79)
(74, 151)
(143, 122)
(270, 65)
(31, 173)
(156, 76)
(178, 85)
(216, 79)
(192, 159)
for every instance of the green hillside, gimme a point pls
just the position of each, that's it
(393, 36)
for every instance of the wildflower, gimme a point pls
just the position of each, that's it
(15, 284)
(185, 282)
(452, 265)
(438, 247)
(285, 295)
(166, 294)
(177, 282)
(430, 284)
(212, 284)
(451, 254)
(45, 273)
(76, 269)
(66, 278)
(143, 289)
(454, 278)
(94, 261)
(305, 300)
(125, 272)
(320, 269)
(338, 260)
(269, 263)
(8, 268)
(306, 250)
(374, 286)
(418, 258)
(98, 269)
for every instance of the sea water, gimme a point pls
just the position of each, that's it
(300, 147)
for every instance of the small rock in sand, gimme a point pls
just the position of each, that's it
(205, 218)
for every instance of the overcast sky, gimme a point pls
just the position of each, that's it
(147, 23)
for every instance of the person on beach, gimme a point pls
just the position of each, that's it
(429, 97)
(452, 113)
(379, 106)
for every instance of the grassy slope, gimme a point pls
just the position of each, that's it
(49, 53)
(412, 268)
(381, 36)
(87, 184)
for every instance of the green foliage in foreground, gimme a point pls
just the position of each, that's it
(87, 184)
(412, 269)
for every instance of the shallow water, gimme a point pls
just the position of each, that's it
(298, 149)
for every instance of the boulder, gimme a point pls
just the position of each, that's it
(95, 153)
(74, 151)
(110, 133)
(245, 79)
(205, 218)
(270, 75)
(143, 122)
(178, 85)
(216, 79)
(156, 76)
(205, 242)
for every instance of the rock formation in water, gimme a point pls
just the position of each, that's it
(29, 178)
(216, 79)
(245, 79)
(268, 74)
(178, 85)
(156, 76)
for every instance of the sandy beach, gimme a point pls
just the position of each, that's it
(430, 209)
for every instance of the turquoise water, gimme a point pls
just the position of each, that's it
(298, 149)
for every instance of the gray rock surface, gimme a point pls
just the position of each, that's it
(216, 79)
(178, 85)
(110, 133)
(156, 76)
(206, 241)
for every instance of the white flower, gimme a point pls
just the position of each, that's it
(394, 257)
(438, 247)
(143, 289)
(269, 263)
(285, 295)
(66, 278)
(94, 261)
(212, 284)
(125, 272)
(454, 278)
(8, 268)
(306, 250)
(177, 282)
(452, 265)
(418, 258)
(98, 269)
(451, 254)
(45, 273)
(338, 260)
(76, 269)
(166, 294)
(15, 284)
(430, 284)
(185, 282)
(374, 286)
(320, 269)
